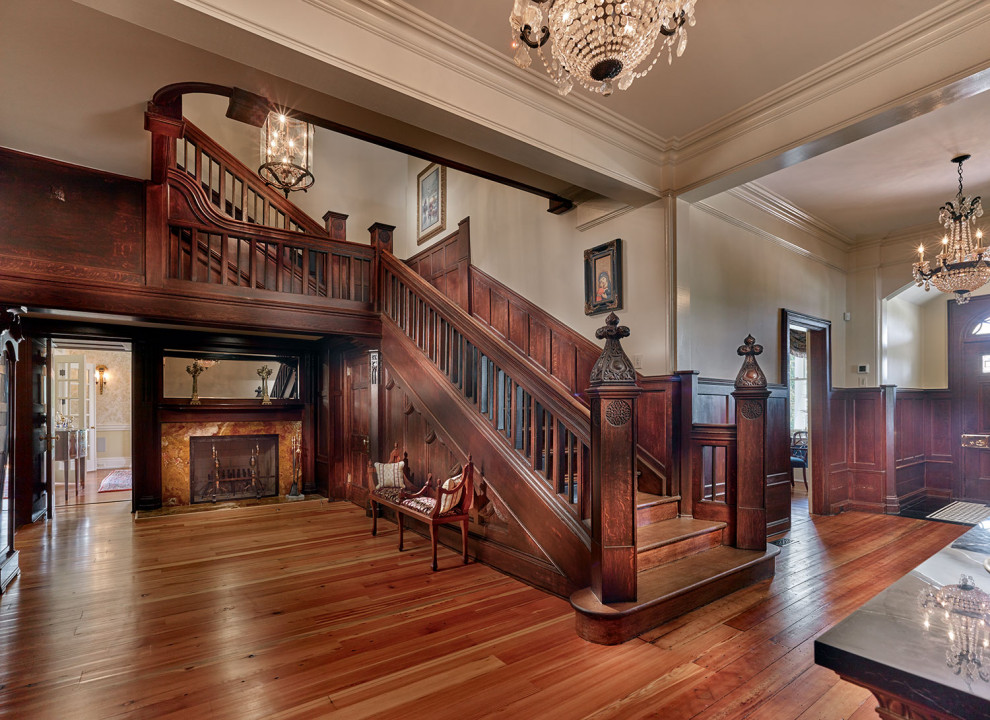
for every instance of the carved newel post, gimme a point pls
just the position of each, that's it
(613, 394)
(751, 440)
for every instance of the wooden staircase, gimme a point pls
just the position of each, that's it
(682, 564)
(530, 435)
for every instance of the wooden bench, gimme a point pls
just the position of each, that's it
(436, 503)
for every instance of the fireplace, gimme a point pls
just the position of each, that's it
(232, 467)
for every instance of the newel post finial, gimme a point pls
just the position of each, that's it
(750, 374)
(613, 366)
(612, 399)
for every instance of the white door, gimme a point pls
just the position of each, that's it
(89, 416)
(69, 389)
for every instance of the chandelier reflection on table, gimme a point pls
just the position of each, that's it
(965, 608)
(961, 264)
(599, 43)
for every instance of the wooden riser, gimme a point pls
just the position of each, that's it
(681, 548)
(654, 512)
(670, 591)
(673, 539)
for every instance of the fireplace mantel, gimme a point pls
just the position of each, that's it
(230, 411)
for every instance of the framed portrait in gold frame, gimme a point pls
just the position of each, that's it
(603, 278)
(431, 202)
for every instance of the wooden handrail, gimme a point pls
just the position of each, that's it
(567, 406)
(205, 246)
(198, 212)
(230, 169)
(550, 429)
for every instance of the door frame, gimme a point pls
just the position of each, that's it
(961, 319)
(819, 389)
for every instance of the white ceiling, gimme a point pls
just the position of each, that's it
(76, 101)
(737, 52)
(896, 179)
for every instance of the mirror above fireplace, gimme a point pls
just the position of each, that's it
(225, 376)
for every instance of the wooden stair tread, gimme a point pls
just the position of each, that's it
(646, 499)
(670, 590)
(670, 531)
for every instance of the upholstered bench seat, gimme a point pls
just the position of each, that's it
(392, 486)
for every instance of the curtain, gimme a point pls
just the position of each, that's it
(799, 343)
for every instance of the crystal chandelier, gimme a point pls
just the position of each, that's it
(599, 43)
(286, 153)
(961, 264)
(964, 608)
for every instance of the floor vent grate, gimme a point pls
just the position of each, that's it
(783, 541)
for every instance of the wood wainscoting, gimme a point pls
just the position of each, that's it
(889, 448)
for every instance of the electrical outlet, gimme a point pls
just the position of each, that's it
(637, 361)
(862, 382)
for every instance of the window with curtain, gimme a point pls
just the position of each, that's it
(798, 379)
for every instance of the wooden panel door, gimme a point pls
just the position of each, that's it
(975, 420)
(357, 423)
(32, 461)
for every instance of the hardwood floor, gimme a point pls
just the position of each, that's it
(89, 492)
(295, 611)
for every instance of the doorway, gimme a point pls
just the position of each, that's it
(805, 368)
(797, 392)
(90, 421)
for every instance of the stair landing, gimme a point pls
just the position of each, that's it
(681, 565)
(670, 590)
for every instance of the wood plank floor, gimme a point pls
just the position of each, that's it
(295, 611)
(89, 493)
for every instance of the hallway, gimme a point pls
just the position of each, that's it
(297, 612)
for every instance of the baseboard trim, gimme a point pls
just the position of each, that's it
(110, 463)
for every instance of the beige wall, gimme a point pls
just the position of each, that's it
(902, 351)
(364, 181)
(737, 266)
(934, 342)
(112, 408)
(541, 256)
(911, 325)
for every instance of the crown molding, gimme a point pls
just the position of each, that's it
(410, 29)
(925, 234)
(945, 22)
(415, 31)
(768, 236)
(779, 207)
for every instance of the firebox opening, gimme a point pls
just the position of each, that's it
(232, 467)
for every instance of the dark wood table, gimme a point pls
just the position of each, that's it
(71, 445)
(910, 666)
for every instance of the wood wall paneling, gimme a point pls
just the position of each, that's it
(778, 462)
(446, 265)
(63, 220)
(940, 450)
(863, 432)
(89, 241)
(836, 496)
(496, 535)
(539, 343)
(559, 535)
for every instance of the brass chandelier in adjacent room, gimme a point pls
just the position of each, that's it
(961, 264)
(600, 44)
(286, 153)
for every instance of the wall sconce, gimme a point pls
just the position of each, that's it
(101, 377)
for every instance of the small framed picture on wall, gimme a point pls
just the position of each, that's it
(603, 278)
(431, 202)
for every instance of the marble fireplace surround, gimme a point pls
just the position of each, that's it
(175, 451)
